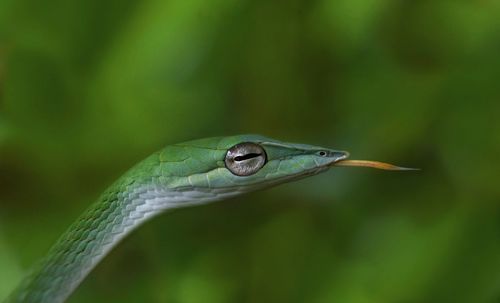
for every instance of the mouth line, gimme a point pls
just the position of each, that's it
(345, 155)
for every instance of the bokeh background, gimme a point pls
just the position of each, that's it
(90, 87)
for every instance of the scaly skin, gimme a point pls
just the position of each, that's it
(179, 175)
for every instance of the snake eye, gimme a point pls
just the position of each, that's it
(245, 159)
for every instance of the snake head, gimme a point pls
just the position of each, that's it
(207, 169)
(242, 163)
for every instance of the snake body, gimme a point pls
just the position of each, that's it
(180, 175)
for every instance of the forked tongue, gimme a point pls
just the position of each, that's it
(372, 164)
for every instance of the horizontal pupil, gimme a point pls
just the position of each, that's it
(247, 156)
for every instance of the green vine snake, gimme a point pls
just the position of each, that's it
(179, 175)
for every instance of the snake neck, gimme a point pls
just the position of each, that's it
(119, 210)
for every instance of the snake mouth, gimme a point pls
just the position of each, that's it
(340, 156)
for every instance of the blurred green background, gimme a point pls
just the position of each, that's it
(89, 87)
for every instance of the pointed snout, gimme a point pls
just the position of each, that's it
(338, 155)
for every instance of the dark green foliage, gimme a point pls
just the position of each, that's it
(89, 88)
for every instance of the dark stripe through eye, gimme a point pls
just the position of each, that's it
(247, 156)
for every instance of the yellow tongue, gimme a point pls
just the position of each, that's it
(373, 164)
